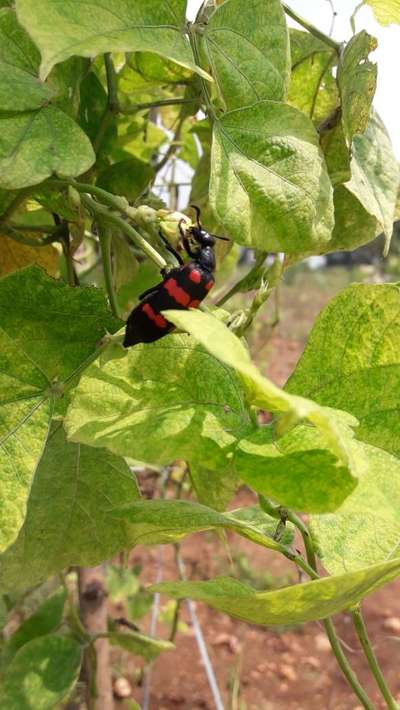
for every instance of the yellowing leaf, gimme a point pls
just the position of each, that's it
(249, 59)
(357, 338)
(357, 83)
(365, 529)
(14, 255)
(87, 29)
(224, 345)
(385, 11)
(290, 605)
(269, 186)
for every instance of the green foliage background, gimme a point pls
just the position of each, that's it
(290, 158)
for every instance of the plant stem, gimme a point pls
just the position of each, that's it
(105, 237)
(16, 202)
(247, 279)
(353, 16)
(40, 228)
(173, 146)
(299, 561)
(341, 659)
(97, 209)
(206, 95)
(114, 201)
(345, 666)
(175, 621)
(112, 107)
(93, 605)
(310, 553)
(311, 29)
(66, 247)
(112, 86)
(319, 82)
(362, 634)
(155, 104)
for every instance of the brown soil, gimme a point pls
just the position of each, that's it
(264, 668)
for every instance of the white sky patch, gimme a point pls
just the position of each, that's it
(387, 56)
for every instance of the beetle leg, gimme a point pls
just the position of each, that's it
(153, 289)
(188, 248)
(171, 249)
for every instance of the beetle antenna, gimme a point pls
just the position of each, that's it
(224, 239)
(197, 210)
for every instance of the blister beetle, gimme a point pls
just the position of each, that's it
(182, 287)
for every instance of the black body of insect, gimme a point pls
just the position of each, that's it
(182, 287)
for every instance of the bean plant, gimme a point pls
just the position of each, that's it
(104, 109)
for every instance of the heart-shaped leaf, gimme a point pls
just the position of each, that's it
(87, 29)
(248, 52)
(269, 185)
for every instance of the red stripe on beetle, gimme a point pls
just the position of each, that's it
(195, 276)
(156, 317)
(177, 293)
(209, 285)
(194, 304)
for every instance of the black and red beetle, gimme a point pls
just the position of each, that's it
(182, 287)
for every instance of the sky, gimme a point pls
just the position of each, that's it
(387, 56)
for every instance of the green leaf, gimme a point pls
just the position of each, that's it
(337, 158)
(68, 519)
(375, 174)
(290, 605)
(25, 411)
(42, 674)
(20, 88)
(257, 518)
(312, 87)
(128, 177)
(158, 522)
(357, 83)
(357, 338)
(260, 391)
(92, 106)
(386, 11)
(365, 203)
(6, 199)
(125, 270)
(37, 144)
(139, 138)
(269, 184)
(65, 81)
(87, 29)
(213, 487)
(64, 325)
(248, 51)
(140, 645)
(134, 88)
(354, 226)
(298, 470)
(153, 67)
(121, 583)
(139, 605)
(304, 45)
(44, 620)
(158, 402)
(62, 330)
(366, 528)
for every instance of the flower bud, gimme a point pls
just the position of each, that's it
(169, 224)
